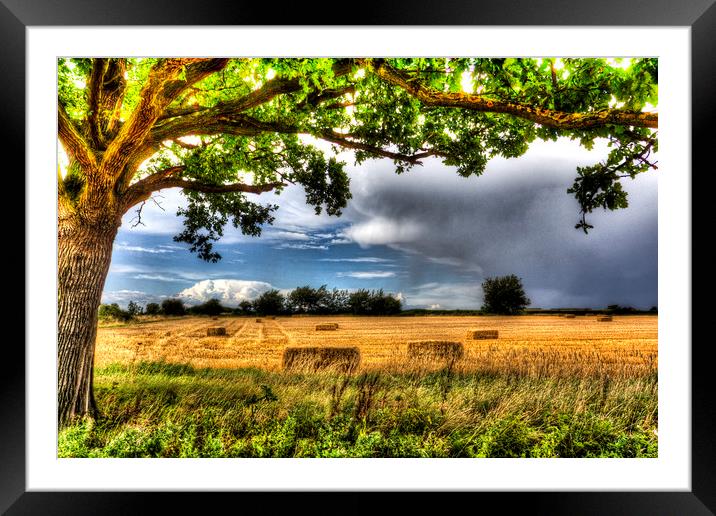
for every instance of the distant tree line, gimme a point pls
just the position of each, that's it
(301, 300)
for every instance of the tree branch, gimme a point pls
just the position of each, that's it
(73, 142)
(244, 125)
(547, 117)
(94, 89)
(341, 140)
(167, 178)
(197, 186)
(160, 89)
(106, 86)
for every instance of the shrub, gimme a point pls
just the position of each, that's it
(173, 307)
(211, 307)
(152, 309)
(113, 312)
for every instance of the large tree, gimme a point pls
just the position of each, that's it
(224, 129)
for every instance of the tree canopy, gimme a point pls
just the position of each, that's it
(220, 128)
(504, 295)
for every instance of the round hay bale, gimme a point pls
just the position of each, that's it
(273, 318)
(258, 320)
(216, 331)
(314, 358)
(482, 334)
(569, 316)
(605, 318)
(326, 326)
(435, 349)
(214, 318)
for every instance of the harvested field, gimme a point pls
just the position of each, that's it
(435, 350)
(534, 345)
(482, 334)
(314, 358)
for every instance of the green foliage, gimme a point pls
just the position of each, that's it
(173, 307)
(134, 309)
(210, 307)
(244, 308)
(373, 302)
(174, 410)
(206, 215)
(504, 295)
(271, 302)
(113, 312)
(621, 310)
(152, 309)
(261, 145)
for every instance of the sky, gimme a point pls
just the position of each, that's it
(428, 236)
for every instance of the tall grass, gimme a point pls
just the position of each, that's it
(481, 406)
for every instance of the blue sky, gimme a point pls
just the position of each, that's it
(428, 235)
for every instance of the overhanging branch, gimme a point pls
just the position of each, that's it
(547, 117)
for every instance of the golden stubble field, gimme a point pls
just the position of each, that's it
(535, 345)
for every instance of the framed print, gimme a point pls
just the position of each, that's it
(164, 97)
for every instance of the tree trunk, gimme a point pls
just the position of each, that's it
(84, 255)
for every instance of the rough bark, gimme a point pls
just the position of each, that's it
(84, 255)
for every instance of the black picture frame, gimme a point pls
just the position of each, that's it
(699, 15)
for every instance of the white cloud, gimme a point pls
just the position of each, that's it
(366, 274)
(384, 231)
(287, 235)
(364, 259)
(138, 249)
(446, 296)
(301, 246)
(229, 291)
(445, 260)
(160, 277)
(125, 269)
(123, 297)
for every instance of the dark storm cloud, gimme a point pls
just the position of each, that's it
(516, 218)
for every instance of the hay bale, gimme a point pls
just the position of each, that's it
(435, 349)
(216, 331)
(326, 326)
(273, 318)
(214, 318)
(569, 316)
(605, 318)
(258, 320)
(482, 334)
(314, 358)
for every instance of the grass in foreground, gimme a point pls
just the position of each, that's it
(156, 409)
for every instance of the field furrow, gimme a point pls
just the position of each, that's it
(534, 345)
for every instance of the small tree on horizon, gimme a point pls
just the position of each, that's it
(173, 307)
(211, 307)
(504, 295)
(152, 309)
(271, 302)
(134, 309)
